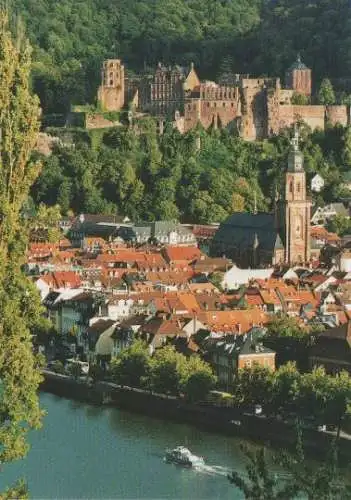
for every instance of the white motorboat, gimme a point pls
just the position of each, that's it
(182, 456)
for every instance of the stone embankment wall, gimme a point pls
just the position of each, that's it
(230, 421)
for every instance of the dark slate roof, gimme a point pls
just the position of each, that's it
(250, 343)
(50, 299)
(298, 64)
(242, 228)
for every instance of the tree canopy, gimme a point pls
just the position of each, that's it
(19, 303)
(138, 173)
(261, 37)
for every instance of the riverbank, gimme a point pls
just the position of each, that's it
(230, 421)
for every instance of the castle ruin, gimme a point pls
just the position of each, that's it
(256, 108)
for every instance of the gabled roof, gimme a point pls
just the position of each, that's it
(180, 253)
(236, 345)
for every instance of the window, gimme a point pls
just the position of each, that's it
(224, 105)
(291, 187)
(248, 363)
(298, 187)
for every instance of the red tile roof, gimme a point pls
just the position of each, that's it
(180, 254)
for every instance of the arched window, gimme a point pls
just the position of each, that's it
(291, 187)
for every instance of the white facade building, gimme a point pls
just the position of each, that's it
(236, 277)
(317, 183)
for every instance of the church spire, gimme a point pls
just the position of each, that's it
(295, 139)
(295, 160)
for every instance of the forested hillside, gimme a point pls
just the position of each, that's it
(71, 37)
(147, 176)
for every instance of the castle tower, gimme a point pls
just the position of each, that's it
(299, 78)
(111, 90)
(296, 209)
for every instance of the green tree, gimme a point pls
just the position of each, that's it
(339, 224)
(253, 386)
(57, 367)
(261, 483)
(324, 482)
(216, 278)
(19, 302)
(288, 339)
(199, 380)
(167, 371)
(238, 203)
(286, 388)
(132, 366)
(326, 93)
(300, 99)
(47, 221)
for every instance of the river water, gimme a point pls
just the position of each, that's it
(89, 452)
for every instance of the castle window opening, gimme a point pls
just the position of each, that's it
(224, 105)
(291, 187)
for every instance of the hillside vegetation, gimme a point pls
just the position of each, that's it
(72, 37)
(147, 176)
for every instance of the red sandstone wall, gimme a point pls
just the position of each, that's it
(312, 115)
(221, 112)
(338, 114)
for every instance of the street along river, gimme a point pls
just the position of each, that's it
(90, 452)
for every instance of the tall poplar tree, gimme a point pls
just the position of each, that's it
(19, 304)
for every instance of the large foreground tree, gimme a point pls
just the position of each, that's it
(19, 304)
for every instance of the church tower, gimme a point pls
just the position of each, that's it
(296, 213)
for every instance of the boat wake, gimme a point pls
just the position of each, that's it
(213, 470)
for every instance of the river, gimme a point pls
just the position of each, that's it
(90, 452)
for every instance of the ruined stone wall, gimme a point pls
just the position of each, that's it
(314, 116)
(253, 114)
(338, 114)
(219, 113)
(97, 120)
(111, 91)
